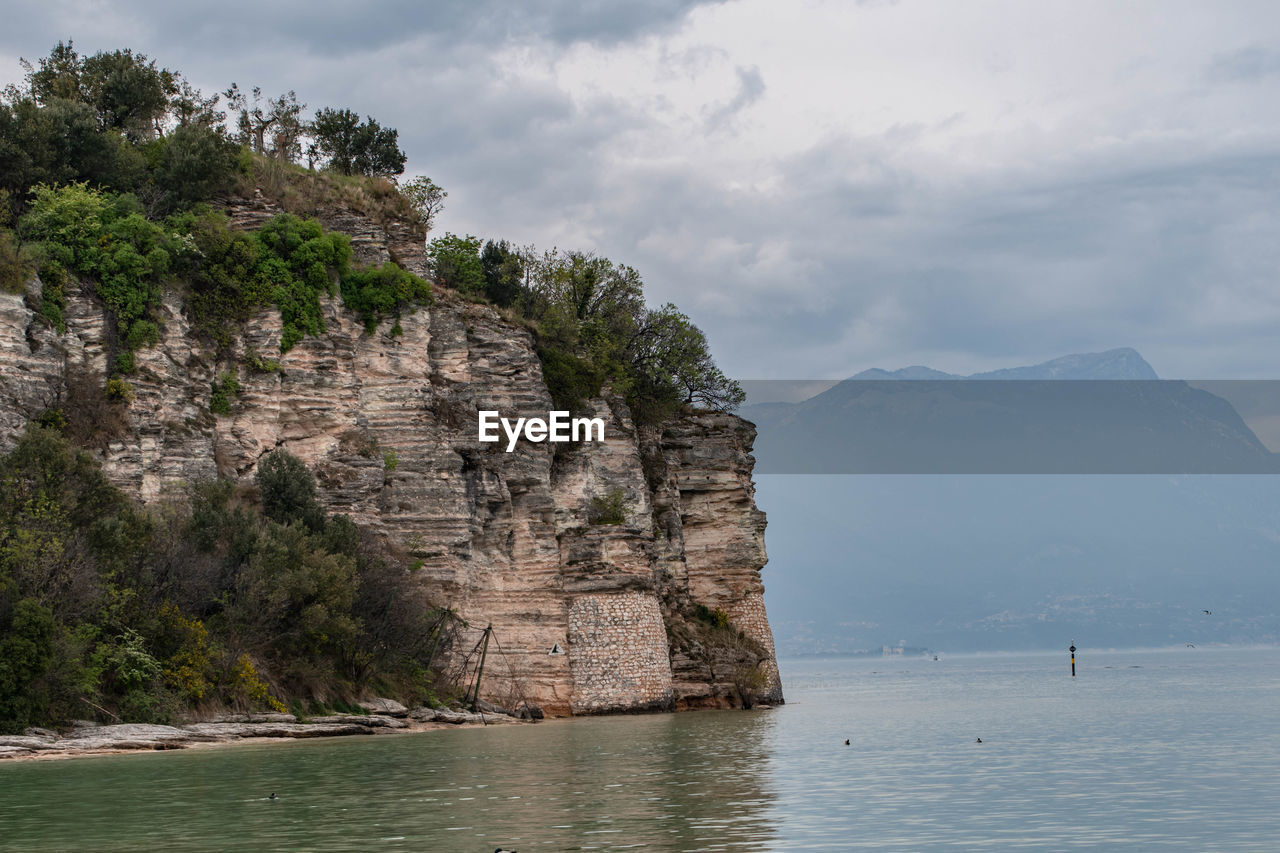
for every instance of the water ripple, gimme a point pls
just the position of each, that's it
(1143, 751)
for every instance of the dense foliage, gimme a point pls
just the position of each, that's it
(107, 609)
(592, 326)
(383, 292)
(116, 120)
(119, 123)
(455, 263)
(105, 238)
(287, 262)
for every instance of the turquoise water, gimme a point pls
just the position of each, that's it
(1143, 751)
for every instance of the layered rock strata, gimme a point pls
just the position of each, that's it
(388, 424)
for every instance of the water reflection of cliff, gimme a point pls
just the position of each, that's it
(670, 782)
(678, 782)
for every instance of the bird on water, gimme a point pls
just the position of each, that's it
(846, 741)
(502, 850)
(979, 740)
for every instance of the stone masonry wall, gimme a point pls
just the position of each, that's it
(618, 653)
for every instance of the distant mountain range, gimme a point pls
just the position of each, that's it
(1018, 562)
(1122, 363)
(1102, 413)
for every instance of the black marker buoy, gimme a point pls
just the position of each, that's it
(1073, 660)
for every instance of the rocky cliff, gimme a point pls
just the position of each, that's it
(388, 424)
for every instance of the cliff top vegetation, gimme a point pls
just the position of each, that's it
(111, 171)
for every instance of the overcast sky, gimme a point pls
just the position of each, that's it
(823, 187)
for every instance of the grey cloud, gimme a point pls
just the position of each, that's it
(336, 28)
(750, 89)
(1250, 63)
(875, 261)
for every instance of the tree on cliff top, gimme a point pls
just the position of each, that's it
(256, 116)
(354, 147)
(127, 91)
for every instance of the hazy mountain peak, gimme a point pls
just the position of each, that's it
(1121, 363)
(916, 371)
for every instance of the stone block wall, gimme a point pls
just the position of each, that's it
(748, 616)
(618, 653)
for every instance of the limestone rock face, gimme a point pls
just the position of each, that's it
(583, 613)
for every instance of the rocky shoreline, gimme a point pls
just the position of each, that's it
(88, 738)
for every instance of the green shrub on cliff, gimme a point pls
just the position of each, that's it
(716, 618)
(107, 240)
(223, 275)
(288, 490)
(382, 292)
(304, 261)
(610, 508)
(53, 292)
(225, 388)
(194, 164)
(289, 262)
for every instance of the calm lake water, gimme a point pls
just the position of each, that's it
(1143, 751)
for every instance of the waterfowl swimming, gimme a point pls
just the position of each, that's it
(846, 741)
(979, 740)
(501, 850)
(273, 796)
